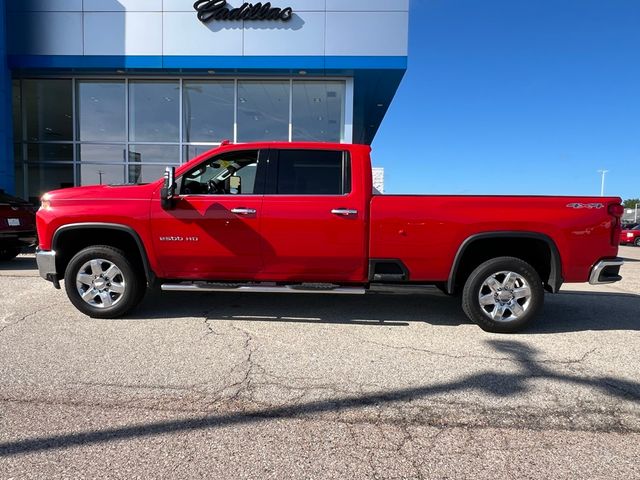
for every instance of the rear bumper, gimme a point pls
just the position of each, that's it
(606, 271)
(46, 261)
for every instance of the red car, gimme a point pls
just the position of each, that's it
(630, 237)
(17, 226)
(302, 218)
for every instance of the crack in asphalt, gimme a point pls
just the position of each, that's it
(24, 317)
(246, 366)
(584, 416)
(483, 357)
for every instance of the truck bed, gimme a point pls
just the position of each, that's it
(426, 231)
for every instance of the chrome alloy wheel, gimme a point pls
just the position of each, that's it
(505, 296)
(100, 283)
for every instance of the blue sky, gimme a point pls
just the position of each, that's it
(517, 96)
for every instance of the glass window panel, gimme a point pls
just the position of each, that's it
(145, 173)
(311, 172)
(139, 155)
(101, 174)
(102, 153)
(263, 110)
(318, 111)
(101, 111)
(213, 177)
(50, 152)
(17, 110)
(165, 154)
(192, 151)
(154, 111)
(17, 161)
(19, 182)
(48, 109)
(208, 111)
(46, 177)
(17, 152)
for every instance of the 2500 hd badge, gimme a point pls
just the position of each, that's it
(179, 239)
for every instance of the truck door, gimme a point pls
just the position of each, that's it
(313, 221)
(213, 231)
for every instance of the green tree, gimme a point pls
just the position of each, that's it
(631, 202)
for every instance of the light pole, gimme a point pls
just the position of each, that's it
(603, 173)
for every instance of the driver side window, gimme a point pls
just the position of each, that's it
(232, 173)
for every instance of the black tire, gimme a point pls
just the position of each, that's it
(529, 305)
(129, 279)
(8, 253)
(637, 242)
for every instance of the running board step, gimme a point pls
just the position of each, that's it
(262, 288)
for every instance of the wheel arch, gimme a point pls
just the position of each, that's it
(92, 229)
(552, 279)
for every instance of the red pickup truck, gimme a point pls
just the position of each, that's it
(301, 218)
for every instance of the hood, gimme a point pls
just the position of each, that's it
(102, 192)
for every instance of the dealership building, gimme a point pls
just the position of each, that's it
(112, 91)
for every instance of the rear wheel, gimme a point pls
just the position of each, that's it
(101, 282)
(503, 295)
(8, 253)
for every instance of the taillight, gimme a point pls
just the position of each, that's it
(616, 210)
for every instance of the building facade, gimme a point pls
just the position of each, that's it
(112, 91)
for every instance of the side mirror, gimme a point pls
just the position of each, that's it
(168, 191)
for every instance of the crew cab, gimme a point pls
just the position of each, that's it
(302, 218)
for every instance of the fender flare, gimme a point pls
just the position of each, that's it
(555, 274)
(148, 272)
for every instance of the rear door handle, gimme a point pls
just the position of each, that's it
(243, 211)
(345, 212)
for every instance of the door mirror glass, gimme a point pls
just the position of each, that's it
(168, 191)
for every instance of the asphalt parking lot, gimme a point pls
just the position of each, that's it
(296, 386)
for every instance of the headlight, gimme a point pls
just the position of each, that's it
(45, 202)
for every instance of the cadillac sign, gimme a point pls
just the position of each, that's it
(217, 10)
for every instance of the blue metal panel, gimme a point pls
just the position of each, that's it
(7, 175)
(266, 64)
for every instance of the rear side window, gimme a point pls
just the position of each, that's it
(313, 172)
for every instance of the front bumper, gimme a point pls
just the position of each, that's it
(606, 271)
(46, 261)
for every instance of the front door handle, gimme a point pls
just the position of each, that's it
(345, 212)
(243, 211)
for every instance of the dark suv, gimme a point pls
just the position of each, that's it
(17, 226)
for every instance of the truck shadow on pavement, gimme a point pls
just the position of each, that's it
(495, 384)
(564, 312)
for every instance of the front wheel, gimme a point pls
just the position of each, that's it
(102, 283)
(503, 295)
(637, 242)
